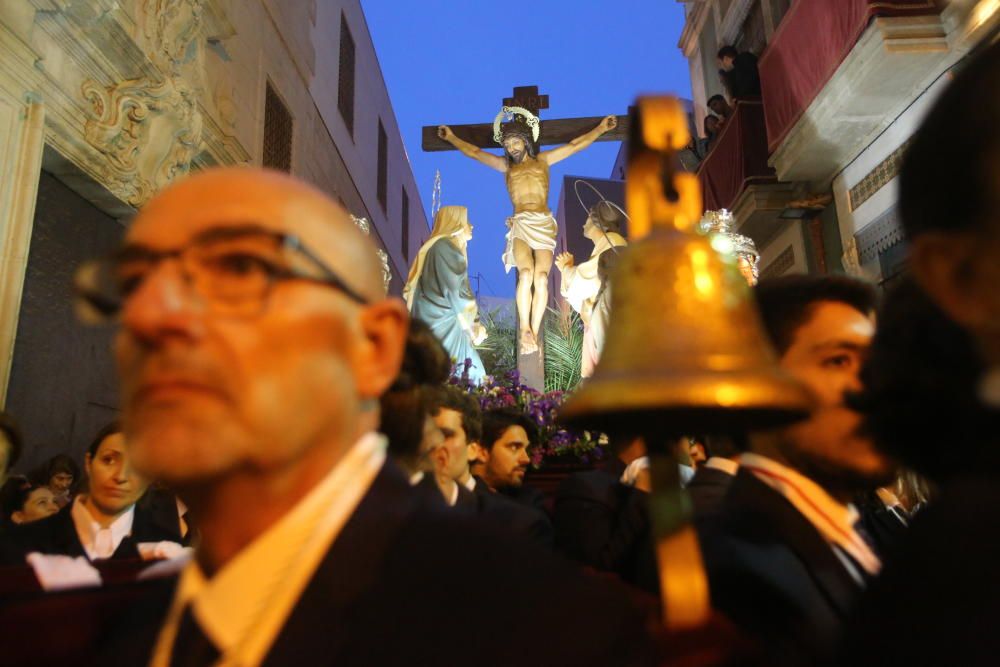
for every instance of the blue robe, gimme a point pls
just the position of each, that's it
(442, 292)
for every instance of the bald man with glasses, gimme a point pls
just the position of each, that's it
(254, 341)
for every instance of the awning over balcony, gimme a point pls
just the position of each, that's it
(738, 159)
(813, 39)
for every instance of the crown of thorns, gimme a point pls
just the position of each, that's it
(515, 126)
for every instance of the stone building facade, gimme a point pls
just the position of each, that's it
(105, 102)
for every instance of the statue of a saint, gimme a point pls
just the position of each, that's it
(586, 286)
(437, 290)
(531, 238)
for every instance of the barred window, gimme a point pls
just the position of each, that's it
(277, 153)
(383, 166)
(345, 84)
(405, 215)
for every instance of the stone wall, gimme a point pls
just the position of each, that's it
(115, 99)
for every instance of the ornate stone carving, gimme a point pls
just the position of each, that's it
(171, 26)
(365, 226)
(149, 131)
(150, 128)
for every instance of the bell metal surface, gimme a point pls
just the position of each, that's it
(685, 351)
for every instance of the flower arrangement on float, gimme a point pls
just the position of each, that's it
(556, 445)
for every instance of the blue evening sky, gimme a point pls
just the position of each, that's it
(453, 61)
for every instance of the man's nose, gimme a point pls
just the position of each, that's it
(523, 458)
(164, 304)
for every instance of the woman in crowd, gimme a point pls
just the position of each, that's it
(104, 522)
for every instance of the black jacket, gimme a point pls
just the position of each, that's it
(937, 599)
(707, 490)
(398, 574)
(57, 535)
(743, 81)
(773, 574)
(511, 516)
(605, 524)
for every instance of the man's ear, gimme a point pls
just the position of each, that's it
(944, 267)
(377, 359)
(477, 453)
(17, 516)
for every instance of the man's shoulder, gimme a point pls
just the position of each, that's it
(435, 557)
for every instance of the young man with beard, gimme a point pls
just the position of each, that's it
(460, 421)
(531, 238)
(784, 559)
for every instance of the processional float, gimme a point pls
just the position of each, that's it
(685, 352)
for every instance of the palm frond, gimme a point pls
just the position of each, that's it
(563, 350)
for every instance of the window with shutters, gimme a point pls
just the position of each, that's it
(383, 166)
(277, 153)
(345, 84)
(405, 215)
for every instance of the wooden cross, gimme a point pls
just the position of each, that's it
(552, 132)
(527, 97)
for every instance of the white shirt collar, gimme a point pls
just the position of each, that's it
(470, 483)
(244, 606)
(834, 520)
(728, 466)
(99, 542)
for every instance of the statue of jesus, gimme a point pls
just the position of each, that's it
(531, 236)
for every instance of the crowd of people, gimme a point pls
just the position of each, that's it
(292, 447)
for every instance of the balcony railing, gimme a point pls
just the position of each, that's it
(738, 159)
(813, 39)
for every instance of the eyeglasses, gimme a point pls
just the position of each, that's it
(233, 269)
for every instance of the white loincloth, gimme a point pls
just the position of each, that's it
(538, 230)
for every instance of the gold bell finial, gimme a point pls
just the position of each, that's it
(685, 351)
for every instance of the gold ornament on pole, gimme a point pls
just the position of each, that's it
(685, 352)
(718, 225)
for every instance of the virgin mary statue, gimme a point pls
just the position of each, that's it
(437, 290)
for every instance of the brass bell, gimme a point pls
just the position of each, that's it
(685, 351)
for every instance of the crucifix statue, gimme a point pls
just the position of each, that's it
(531, 235)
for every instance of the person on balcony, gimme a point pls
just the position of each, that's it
(738, 72)
(721, 108)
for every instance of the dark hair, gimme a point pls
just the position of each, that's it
(961, 197)
(108, 429)
(519, 129)
(607, 216)
(729, 51)
(14, 494)
(920, 384)
(785, 303)
(451, 397)
(713, 98)
(9, 426)
(406, 405)
(497, 421)
(60, 463)
(709, 117)
(425, 361)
